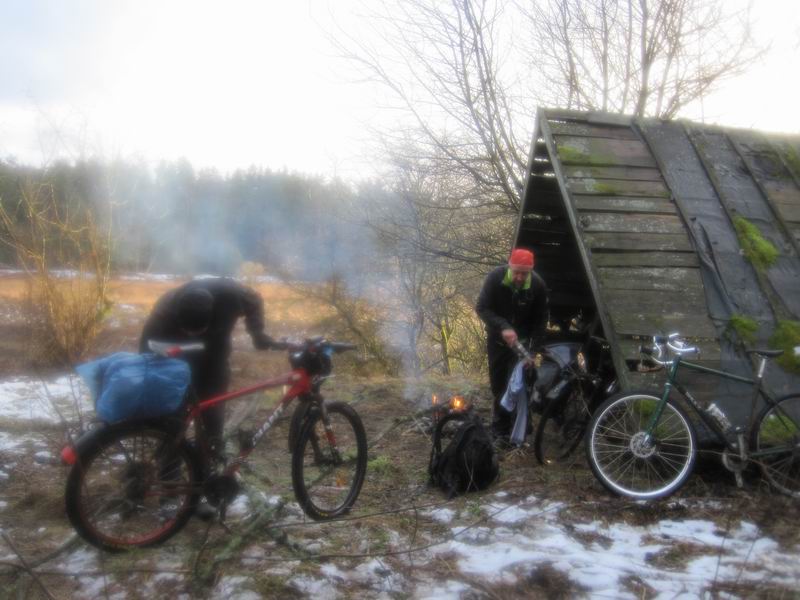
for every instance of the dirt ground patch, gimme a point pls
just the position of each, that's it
(537, 532)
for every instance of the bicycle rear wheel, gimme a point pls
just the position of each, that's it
(329, 462)
(626, 460)
(134, 487)
(776, 439)
(561, 428)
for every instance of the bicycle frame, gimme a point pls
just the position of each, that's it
(758, 392)
(300, 384)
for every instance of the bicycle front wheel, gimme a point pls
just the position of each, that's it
(632, 463)
(329, 462)
(561, 429)
(134, 487)
(776, 440)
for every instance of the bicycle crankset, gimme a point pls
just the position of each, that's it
(734, 463)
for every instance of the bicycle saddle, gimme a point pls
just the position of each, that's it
(766, 353)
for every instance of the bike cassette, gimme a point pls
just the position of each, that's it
(221, 489)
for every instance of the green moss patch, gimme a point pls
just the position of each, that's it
(761, 253)
(787, 337)
(745, 328)
(570, 154)
(605, 188)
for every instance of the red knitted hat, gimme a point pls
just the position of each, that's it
(521, 259)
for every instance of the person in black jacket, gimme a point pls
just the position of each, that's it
(206, 310)
(513, 306)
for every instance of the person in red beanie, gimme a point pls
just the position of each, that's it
(513, 306)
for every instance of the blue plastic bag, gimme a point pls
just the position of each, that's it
(129, 386)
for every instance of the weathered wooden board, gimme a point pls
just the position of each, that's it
(589, 130)
(691, 299)
(591, 117)
(618, 187)
(789, 212)
(628, 323)
(631, 223)
(603, 152)
(644, 259)
(680, 279)
(625, 173)
(638, 241)
(782, 191)
(630, 204)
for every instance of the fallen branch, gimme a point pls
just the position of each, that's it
(25, 565)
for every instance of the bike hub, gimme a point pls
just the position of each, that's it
(641, 446)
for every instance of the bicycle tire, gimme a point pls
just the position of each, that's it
(112, 493)
(778, 431)
(300, 416)
(561, 428)
(620, 456)
(314, 460)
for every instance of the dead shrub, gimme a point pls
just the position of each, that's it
(67, 258)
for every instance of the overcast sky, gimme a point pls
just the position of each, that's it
(237, 83)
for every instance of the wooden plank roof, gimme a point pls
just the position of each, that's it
(611, 208)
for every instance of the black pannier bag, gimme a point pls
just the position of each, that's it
(469, 462)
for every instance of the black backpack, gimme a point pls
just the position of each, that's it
(469, 462)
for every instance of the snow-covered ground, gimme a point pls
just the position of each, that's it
(497, 543)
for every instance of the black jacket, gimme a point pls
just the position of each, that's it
(231, 301)
(501, 306)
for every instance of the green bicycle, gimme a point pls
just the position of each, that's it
(643, 445)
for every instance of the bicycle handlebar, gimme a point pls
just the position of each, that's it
(293, 346)
(666, 344)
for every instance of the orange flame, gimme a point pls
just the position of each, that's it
(458, 403)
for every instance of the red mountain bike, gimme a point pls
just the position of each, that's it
(136, 484)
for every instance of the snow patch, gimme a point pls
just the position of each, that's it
(232, 586)
(442, 515)
(314, 588)
(602, 557)
(34, 399)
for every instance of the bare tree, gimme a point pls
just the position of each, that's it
(642, 57)
(433, 293)
(446, 72)
(470, 73)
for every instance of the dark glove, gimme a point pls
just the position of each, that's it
(262, 341)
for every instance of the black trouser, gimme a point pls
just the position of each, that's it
(209, 380)
(502, 360)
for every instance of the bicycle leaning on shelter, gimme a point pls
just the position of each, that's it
(644, 446)
(136, 484)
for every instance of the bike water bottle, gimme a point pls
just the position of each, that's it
(719, 417)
